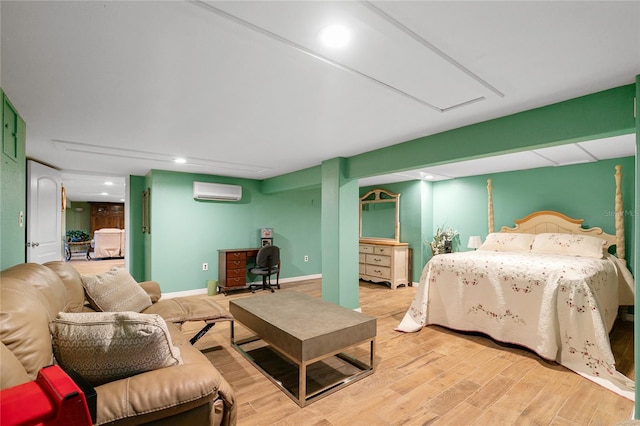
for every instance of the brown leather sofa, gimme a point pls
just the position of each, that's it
(193, 393)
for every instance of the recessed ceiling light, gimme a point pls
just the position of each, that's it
(180, 160)
(108, 183)
(104, 193)
(335, 36)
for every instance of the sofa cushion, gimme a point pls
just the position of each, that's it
(106, 346)
(12, 373)
(72, 282)
(115, 291)
(24, 317)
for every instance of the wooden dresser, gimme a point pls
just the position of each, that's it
(385, 262)
(232, 267)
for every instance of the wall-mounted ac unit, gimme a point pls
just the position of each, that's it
(216, 191)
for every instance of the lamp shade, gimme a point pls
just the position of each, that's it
(474, 242)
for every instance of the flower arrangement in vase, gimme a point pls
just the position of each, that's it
(443, 240)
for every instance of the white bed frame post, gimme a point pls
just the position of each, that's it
(490, 205)
(620, 248)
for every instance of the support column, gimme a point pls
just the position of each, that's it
(339, 225)
(635, 262)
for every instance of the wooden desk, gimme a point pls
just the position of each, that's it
(232, 268)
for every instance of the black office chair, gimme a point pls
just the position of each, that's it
(267, 264)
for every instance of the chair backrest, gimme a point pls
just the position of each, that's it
(268, 256)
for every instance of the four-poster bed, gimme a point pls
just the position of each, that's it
(547, 284)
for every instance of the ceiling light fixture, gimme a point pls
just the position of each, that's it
(335, 36)
(109, 183)
(180, 160)
(104, 193)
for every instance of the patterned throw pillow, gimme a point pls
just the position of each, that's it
(107, 346)
(511, 242)
(569, 245)
(115, 291)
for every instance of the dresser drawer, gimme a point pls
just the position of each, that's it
(362, 258)
(384, 250)
(362, 269)
(378, 271)
(374, 259)
(366, 248)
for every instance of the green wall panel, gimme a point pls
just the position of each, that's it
(583, 191)
(13, 201)
(185, 233)
(75, 219)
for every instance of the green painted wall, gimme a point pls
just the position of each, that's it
(583, 191)
(75, 219)
(185, 233)
(13, 201)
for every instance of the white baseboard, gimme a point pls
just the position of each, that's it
(204, 290)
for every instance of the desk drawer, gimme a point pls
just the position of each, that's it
(236, 281)
(236, 255)
(374, 259)
(236, 264)
(235, 273)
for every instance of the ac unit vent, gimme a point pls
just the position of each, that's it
(216, 191)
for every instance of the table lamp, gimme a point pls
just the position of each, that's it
(474, 242)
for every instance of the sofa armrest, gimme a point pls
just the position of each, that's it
(153, 290)
(165, 392)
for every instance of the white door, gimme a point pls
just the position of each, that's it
(44, 213)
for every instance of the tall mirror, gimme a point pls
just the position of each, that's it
(380, 216)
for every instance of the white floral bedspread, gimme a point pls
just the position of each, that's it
(561, 307)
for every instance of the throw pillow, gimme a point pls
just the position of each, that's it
(115, 291)
(569, 245)
(107, 346)
(507, 241)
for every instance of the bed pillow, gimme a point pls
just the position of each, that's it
(569, 245)
(511, 242)
(107, 346)
(115, 291)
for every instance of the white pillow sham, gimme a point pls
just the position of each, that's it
(569, 245)
(511, 242)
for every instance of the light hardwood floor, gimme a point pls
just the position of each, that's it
(434, 377)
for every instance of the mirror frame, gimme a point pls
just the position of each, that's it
(377, 198)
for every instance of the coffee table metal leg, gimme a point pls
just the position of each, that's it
(302, 385)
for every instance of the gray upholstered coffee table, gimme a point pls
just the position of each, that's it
(306, 332)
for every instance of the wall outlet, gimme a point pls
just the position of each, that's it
(306, 258)
(205, 266)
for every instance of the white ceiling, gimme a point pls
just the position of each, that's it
(245, 89)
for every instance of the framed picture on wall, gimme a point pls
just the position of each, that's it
(266, 242)
(146, 200)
